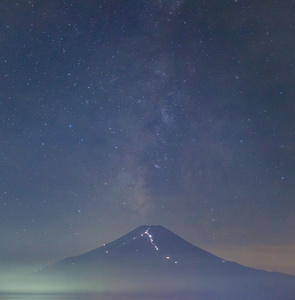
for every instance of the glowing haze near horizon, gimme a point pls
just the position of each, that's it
(116, 114)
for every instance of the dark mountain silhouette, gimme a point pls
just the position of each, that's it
(152, 262)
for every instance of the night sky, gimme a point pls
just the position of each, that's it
(118, 113)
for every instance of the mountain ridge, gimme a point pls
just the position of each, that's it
(152, 258)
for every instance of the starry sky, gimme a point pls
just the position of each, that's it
(118, 113)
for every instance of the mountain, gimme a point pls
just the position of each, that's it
(152, 262)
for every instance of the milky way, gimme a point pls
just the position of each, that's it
(121, 113)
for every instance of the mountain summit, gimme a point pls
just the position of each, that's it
(150, 242)
(152, 260)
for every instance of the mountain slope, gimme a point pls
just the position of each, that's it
(152, 259)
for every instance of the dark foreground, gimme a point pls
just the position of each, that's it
(38, 296)
(121, 296)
